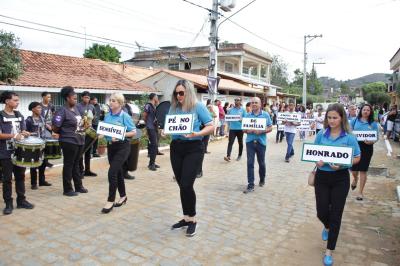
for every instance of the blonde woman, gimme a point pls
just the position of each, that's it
(117, 151)
(187, 150)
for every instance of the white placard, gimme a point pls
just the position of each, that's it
(367, 135)
(281, 126)
(254, 123)
(290, 117)
(178, 124)
(308, 120)
(306, 125)
(233, 118)
(110, 130)
(328, 154)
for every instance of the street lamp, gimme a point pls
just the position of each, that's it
(310, 37)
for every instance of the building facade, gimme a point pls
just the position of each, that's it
(394, 85)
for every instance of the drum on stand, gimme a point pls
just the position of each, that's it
(29, 152)
(134, 153)
(161, 112)
(52, 149)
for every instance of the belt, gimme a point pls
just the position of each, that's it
(117, 142)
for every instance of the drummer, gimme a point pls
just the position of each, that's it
(69, 124)
(12, 128)
(36, 125)
(48, 111)
(87, 111)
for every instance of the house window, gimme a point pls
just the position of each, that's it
(228, 67)
(245, 70)
(173, 66)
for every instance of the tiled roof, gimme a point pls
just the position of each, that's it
(55, 71)
(134, 73)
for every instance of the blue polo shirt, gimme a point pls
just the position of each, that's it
(344, 139)
(261, 138)
(360, 125)
(236, 125)
(200, 116)
(120, 119)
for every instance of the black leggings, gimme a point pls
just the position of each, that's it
(153, 145)
(232, 135)
(19, 174)
(186, 157)
(331, 189)
(34, 174)
(71, 171)
(117, 153)
(279, 135)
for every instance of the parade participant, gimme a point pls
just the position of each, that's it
(117, 151)
(280, 133)
(206, 138)
(248, 107)
(88, 113)
(149, 116)
(302, 112)
(364, 121)
(221, 118)
(319, 120)
(68, 123)
(290, 132)
(48, 111)
(36, 125)
(12, 128)
(187, 150)
(256, 144)
(391, 117)
(332, 182)
(235, 130)
(95, 122)
(352, 112)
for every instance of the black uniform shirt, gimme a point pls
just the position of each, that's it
(9, 124)
(70, 124)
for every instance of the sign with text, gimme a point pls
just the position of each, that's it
(367, 135)
(290, 117)
(110, 130)
(306, 125)
(178, 124)
(254, 123)
(233, 118)
(327, 154)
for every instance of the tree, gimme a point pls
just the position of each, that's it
(279, 75)
(314, 86)
(344, 88)
(10, 59)
(103, 52)
(377, 97)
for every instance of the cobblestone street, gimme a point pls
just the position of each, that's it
(275, 225)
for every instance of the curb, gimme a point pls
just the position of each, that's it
(398, 193)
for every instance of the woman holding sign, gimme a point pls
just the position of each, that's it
(186, 150)
(363, 122)
(117, 151)
(332, 182)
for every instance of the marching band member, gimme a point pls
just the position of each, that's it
(187, 150)
(332, 182)
(364, 121)
(35, 124)
(117, 151)
(69, 124)
(48, 111)
(12, 127)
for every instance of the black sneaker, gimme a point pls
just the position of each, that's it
(89, 173)
(34, 187)
(180, 224)
(8, 209)
(248, 190)
(191, 230)
(156, 165)
(81, 190)
(152, 167)
(25, 205)
(129, 177)
(262, 183)
(45, 184)
(70, 193)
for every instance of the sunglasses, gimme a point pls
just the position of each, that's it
(180, 93)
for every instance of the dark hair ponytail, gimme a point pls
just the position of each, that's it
(7, 95)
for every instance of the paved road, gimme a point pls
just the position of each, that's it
(275, 225)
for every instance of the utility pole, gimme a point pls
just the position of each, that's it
(212, 68)
(310, 37)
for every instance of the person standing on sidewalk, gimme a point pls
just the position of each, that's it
(35, 125)
(69, 124)
(364, 121)
(221, 117)
(95, 122)
(391, 117)
(12, 128)
(149, 116)
(187, 150)
(235, 130)
(256, 144)
(117, 151)
(290, 132)
(332, 182)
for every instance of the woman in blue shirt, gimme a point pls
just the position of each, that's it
(117, 151)
(332, 182)
(186, 151)
(364, 121)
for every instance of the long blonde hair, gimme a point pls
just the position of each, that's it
(337, 107)
(190, 97)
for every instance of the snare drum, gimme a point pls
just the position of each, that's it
(28, 152)
(52, 149)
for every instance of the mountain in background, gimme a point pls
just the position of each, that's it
(328, 82)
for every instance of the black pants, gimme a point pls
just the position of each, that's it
(94, 147)
(185, 157)
(87, 156)
(34, 174)
(19, 174)
(71, 171)
(153, 145)
(279, 135)
(117, 153)
(331, 189)
(232, 135)
(205, 140)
